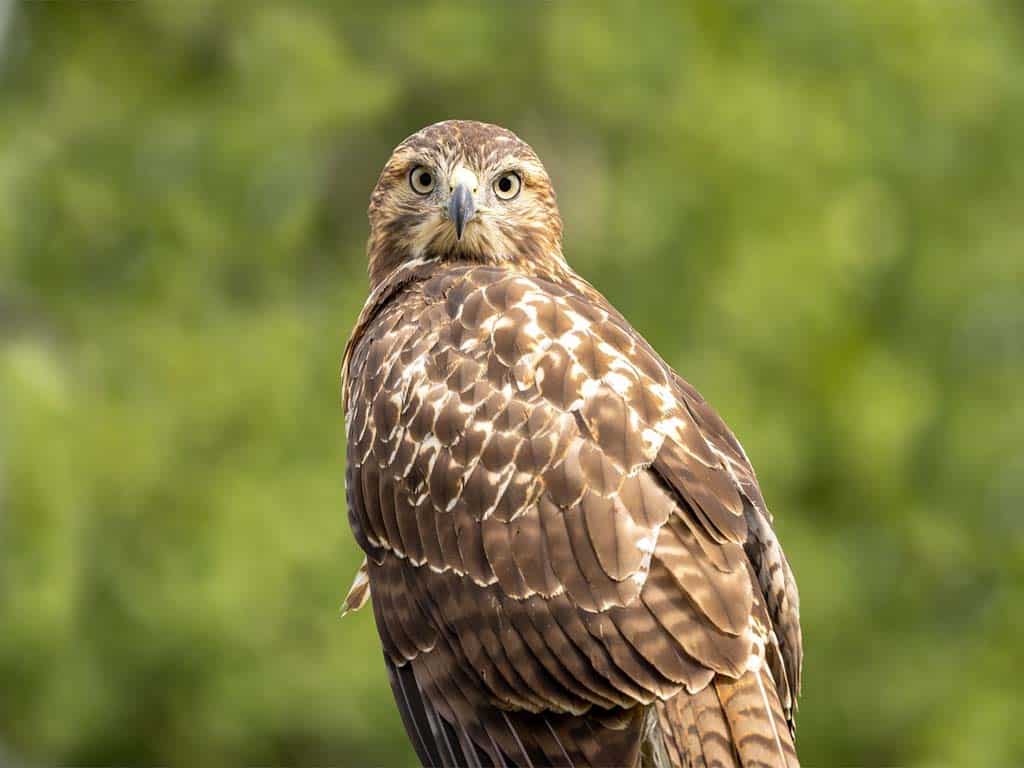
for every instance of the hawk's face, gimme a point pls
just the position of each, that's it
(462, 190)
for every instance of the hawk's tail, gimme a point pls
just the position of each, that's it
(728, 723)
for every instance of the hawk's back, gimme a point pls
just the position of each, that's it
(560, 533)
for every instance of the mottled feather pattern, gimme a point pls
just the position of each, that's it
(495, 487)
(561, 535)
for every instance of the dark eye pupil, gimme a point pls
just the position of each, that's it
(505, 184)
(425, 179)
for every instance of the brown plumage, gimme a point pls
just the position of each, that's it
(568, 555)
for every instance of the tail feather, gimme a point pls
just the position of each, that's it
(730, 723)
(759, 727)
(696, 731)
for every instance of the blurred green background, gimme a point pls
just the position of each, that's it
(814, 210)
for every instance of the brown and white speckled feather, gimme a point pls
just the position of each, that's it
(359, 592)
(559, 531)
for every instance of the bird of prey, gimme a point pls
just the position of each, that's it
(568, 556)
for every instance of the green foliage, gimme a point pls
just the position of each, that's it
(812, 209)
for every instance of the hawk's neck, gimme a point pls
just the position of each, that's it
(425, 270)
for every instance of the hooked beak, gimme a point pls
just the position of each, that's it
(461, 208)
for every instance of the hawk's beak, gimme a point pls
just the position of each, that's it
(461, 208)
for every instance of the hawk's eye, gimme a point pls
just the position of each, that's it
(507, 185)
(421, 180)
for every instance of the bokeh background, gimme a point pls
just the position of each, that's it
(814, 210)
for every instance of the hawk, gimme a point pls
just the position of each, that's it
(568, 556)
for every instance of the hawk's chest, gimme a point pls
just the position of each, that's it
(440, 356)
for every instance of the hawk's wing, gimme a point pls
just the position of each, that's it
(555, 526)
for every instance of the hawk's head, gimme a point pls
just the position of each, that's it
(463, 190)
